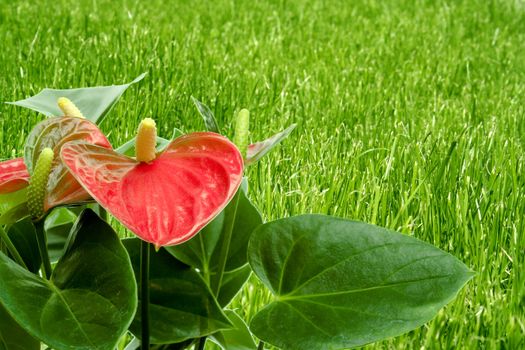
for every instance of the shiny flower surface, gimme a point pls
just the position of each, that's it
(167, 200)
(61, 188)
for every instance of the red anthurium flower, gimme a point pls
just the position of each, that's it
(62, 187)
(13, 175)
(166, 198)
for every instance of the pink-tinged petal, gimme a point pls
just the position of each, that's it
(13, 175)
(62, 187)
(55, 132)
(168, 200)
(259, 149)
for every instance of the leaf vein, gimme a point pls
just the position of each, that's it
(346, 259)
(353, 291)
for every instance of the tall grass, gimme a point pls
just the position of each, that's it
(410, 115)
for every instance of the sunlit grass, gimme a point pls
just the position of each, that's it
(410, 115)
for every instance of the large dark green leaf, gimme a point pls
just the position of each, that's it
(203, 251)
(94, 102)
(89, 301)
(237, 338)
(259, 149)
(14, 337)
(341, 284)
(207, 115)
(182, 306)
(58, 226)
(23, 236)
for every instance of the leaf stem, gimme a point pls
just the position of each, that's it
(225, 248)
(11, 247)
(144, 295)
(42, 247)
(202, 342)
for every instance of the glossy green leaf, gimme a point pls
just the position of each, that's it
(187, 344)
(14, 337)
(94, 103)
(23, 236)
(259, 149)
(238, 338)
(97, 208)
(181, 305)
(341, 284)
(58, 226)
(207, 115)
(135, 345)
(175, 346)
(89, 301)
(203, 250)
(12, 199)
(232, 282)
(128, 148)
(14, 214)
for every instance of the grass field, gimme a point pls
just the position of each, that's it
(410, 116)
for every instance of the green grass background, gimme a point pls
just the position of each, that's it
(410, 115)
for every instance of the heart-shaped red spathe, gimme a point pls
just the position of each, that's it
(166, 201)
(13, 175)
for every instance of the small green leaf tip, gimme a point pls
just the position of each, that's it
(37, 186)
(242, 129)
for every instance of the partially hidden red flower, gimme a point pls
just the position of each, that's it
(62, 187)
(167, 200)
(13, 175)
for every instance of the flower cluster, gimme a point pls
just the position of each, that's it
(164, 197)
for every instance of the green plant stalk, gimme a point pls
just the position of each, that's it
(224, 254)
(225, 248)
(42, 247)
(202, 343)
(205, 263)
(11, 247)
(144, 295)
